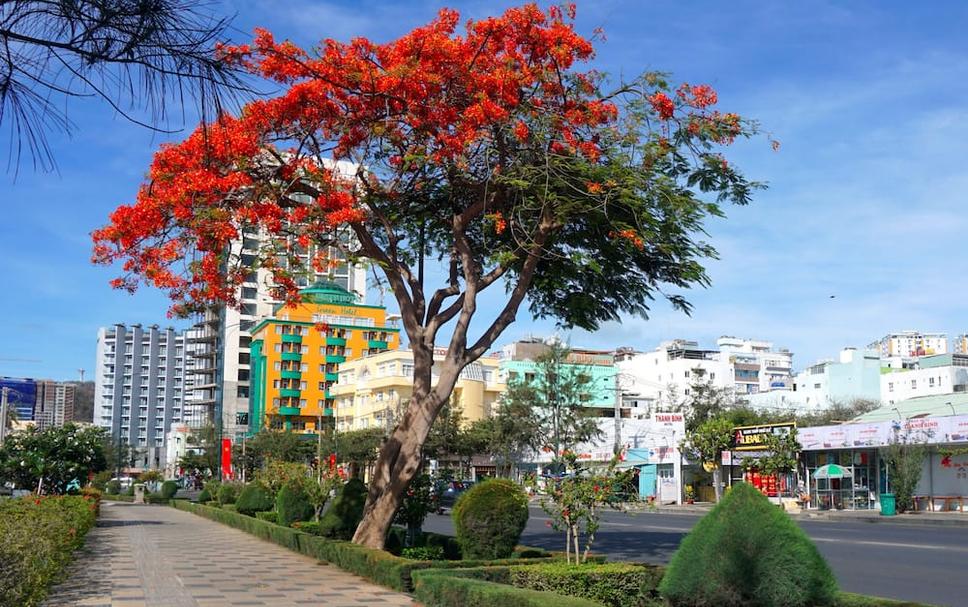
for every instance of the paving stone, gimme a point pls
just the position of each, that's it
(156, 556)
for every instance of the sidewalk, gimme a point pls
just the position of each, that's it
(154, 556)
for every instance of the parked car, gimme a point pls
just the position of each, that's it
(448, 492)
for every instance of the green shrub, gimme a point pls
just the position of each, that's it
(423, 553)
(101, 480)
(129, 490)
(747, 551)
(112, 487)
(169, 489)
(310, 527)
(344, 515)
(156, 498)
(37, 537)
(484, 587)
(269, 516)
(227, 494)
(489, 519)
(613, 584)
(292, 505)
(204, 497)
(253, 498)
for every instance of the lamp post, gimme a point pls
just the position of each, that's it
(953, 412)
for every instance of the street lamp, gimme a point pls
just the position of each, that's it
(953, 412)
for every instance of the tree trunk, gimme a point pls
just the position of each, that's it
(399, 462)
(717, 473)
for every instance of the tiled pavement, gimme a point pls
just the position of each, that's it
(156, 556)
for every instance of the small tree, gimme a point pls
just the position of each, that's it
(419, 501)
(905, 461)
(49, 460)
(707, 443)
(781, 449)
(704, 400)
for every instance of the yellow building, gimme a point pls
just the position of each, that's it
(298, 353)
(373, 391)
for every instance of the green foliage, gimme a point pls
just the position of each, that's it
(489, 519)
(418, 502)
(483, 587)
(747, 552)
(781, 454)
(130, 490)
(269, 516)
(423, 553)
(612, 584)
(156, 498)
(273, 446)
(37, 537)
(253, 499)
(101, 479)
(59, 455)
(905, 458)
(112, 487)
(227, 493)
(169, 489)
(204, 451)
(151, 476)
(276, 474)
(344, 515)
(292, 504)
(311, 527)
(205, 496)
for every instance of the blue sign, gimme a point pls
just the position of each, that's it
(22, 396)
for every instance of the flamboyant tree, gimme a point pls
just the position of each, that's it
(487, 152)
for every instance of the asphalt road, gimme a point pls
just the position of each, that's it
(908, 562)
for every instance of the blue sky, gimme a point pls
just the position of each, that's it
(866, 198)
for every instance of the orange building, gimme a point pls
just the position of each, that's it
(297, 352)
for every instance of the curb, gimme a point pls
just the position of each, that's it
(890, 520)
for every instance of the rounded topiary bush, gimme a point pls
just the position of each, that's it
(204, 497)
(169, 489)
(253, 498)
(489, 519)
(112, 487)
(292, 504)
(747, 552)
(227, 494)
(344, 515)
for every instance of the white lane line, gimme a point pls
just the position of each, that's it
(890, 544)
(613, 524)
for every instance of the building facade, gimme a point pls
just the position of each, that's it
(372, 392)
(55, 404)
(961, 344)
(910, 344)
(139, 387)
(297, 354)
(519, 363)
(931, 375)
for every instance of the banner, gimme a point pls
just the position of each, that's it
(226, 458)
(752, 438)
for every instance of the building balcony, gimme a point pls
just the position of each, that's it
(289, 393)
(291, 338)
(332, 377)
(291, 375)
(335, 358)
(327, 412)
(296, 356)
(376, 344)
(289, 411)
(335, 341)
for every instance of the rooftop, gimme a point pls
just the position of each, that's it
(922, 406)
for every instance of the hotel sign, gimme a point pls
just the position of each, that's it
(753, 438)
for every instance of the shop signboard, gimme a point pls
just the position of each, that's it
(923, 430)
(955, 429)
(753, 438)
(868, 435)
(930, 430)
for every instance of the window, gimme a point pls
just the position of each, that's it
(278, 347)
(275, 383)
(914, 384)
(243, 392)
(243, 358)
(302, 385)
(302, 402)
(243, 375)
(712, 376)
(931, 382)
(687, 374)
(304, 367)
(890, 386)
(816, 386)
(322, 385)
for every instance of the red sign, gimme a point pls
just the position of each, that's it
(226, 458)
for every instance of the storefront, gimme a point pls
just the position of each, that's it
(846, 479)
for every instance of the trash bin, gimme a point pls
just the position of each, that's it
(887, 504)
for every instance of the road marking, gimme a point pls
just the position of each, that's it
(889, 544)
(613, 524)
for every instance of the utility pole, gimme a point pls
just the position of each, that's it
(3, 414)
(618, 416)
(319, 447)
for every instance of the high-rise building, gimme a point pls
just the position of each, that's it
(21, 397)
(297, 353)
(909, 344)
(140, 387)
(223, 377)
(55, 403)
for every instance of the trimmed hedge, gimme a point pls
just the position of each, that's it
(292, 505)
(343, 516)
(205, 496)
(746, 551)
(269, 516)
(37, 538)
(108, 497)
(227, 494)
(169, 489)
(254, 498)
(375, 565)
(612, 584)
(483, 587)
(489, 519)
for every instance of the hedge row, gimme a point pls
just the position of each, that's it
(376, 565)
(37, 537)
(483, 587)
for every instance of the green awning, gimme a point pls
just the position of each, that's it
(831, 471)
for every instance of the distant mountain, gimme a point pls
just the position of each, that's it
(83, 401)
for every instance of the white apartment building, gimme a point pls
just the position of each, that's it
(663, 377)
(139, 386)
(961, 344)
(910, 344)
(933, 375)
(854, 375)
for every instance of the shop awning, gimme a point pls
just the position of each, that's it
(831, 471)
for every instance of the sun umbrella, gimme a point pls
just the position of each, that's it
(831, 471)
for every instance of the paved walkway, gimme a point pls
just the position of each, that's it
(156, 556)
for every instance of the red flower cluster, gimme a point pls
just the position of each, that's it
(663, 105)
